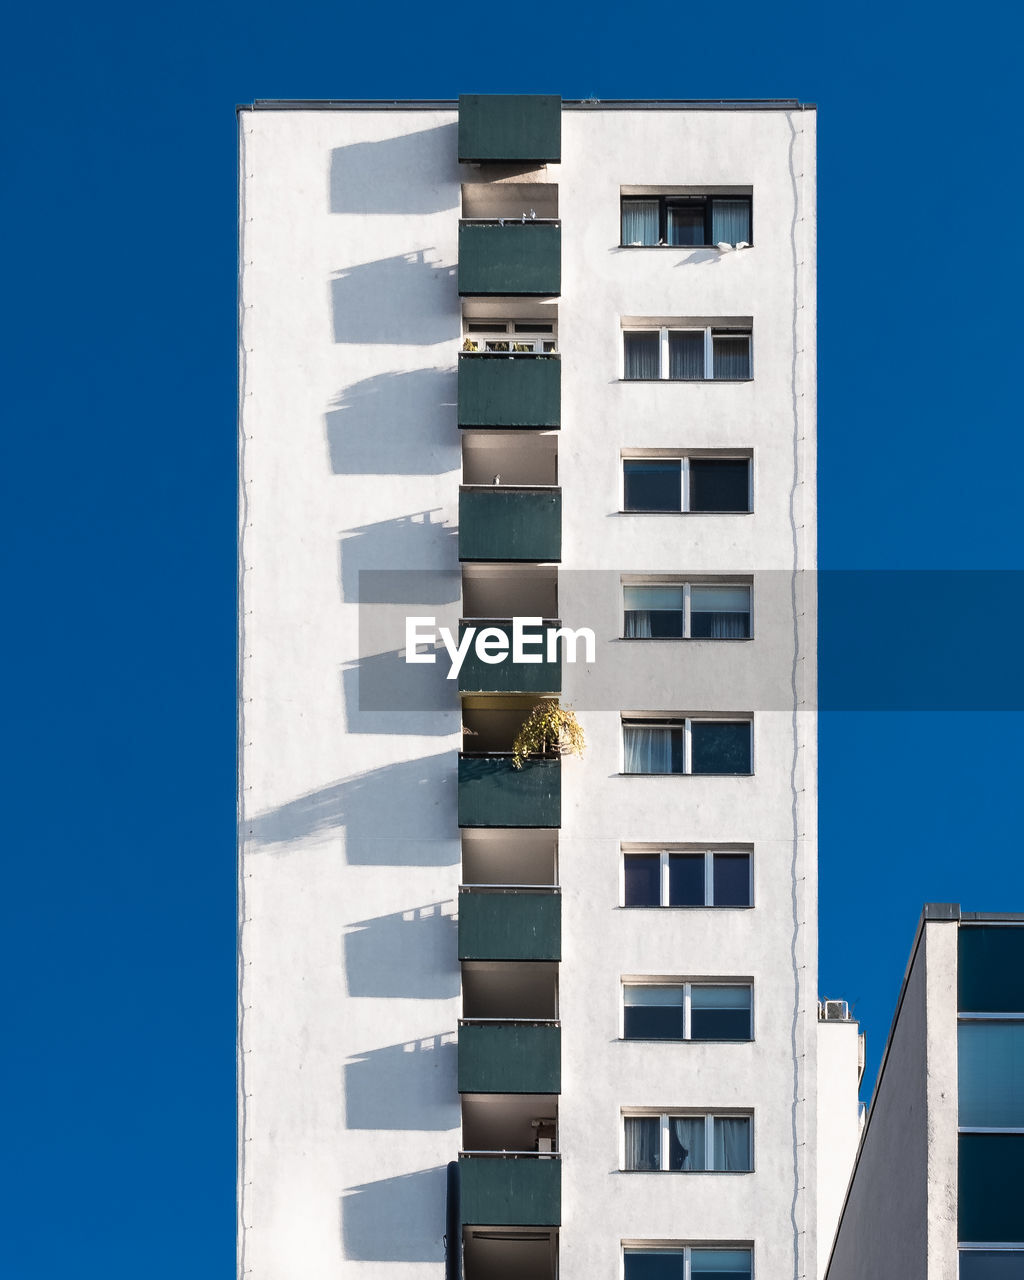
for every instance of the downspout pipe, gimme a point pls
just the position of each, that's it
(453, 1224)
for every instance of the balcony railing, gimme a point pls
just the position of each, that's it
(510, 128)
(511, 1188)
(477, 676)
(514, 922)
(508, 1055)
(505, 258)
(510, 391)
(510, 522)
(494, 794)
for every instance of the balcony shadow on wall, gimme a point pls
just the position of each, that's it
(406, 300)
(404, 1086)
(385, 694)
(398, 815)
(423, 551)
(409, 954)
(400, 423)
(396, 1219)
(416, 173)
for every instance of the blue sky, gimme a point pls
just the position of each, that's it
(118, 490)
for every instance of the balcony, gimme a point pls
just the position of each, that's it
(513, 259)
(510, 391)
(493, 794)
(519, 922)
(477, 676)
(510, 128)
(510, 1056)
(504, 523)
(516, 1190)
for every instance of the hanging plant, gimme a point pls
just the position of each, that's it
(549, 729)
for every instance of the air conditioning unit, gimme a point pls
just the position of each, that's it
(833, 1011)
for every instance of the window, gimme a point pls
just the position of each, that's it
(992, 1264)
(690, 746)
(691, 611)
(687, 1262)
(665, 878)
(686, 1011)
(688, 1143)
(685, 220)
(687, 354)
(686, 484)
(510, 337)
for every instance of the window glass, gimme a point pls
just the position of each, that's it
(721, 1264)
(652, 484)
(686, 1143)
(640, 222)
(654, 1264)
(643, 352)
(653, 611)
(991, 1067)
(732, 880)
(652, 748)
(731, 355)
(991, 1264)
(643, 880)
(720, 1013)
(719, 484)
(686, 354)
(720, 746)
(730, 221)
(732, 1144)
(720, 613)
(685, 223)
(653, 1013)
(643, 1143)
(686, 879)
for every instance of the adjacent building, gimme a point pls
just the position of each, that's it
(938, 1187)
(523, 358)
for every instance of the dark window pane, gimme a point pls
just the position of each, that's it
(686, 879)
(686, 354)
(991, 1264)
(643, 1143)
(719, 484)
(686, 224)
(990, 1184)
(653, 1013)
(731, 355)
(720, 746)
(732, 880)
(720, 626)
(720, 1013)
(652, 485)
(643, 353)
(643, 880)
(720, 1264)
(678, 751)
(730, 221)
(653, 1264)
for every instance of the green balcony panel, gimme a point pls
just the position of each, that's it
(517, 259)
(509, 1191)
(477, 676)
(990, 971)
(510, 391)
(991, 1187)
(510, 1058)
(493, 794)
(510, 128)
(510, 524)
(510, 926)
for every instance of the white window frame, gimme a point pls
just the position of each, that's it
(674, 1246)
(686, 724)
(687, 611)
(709, 868)
(709, 332)
(687, 987)
(664, 1137)
(505, 331)
(684, 469)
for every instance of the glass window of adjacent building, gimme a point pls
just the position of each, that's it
(687, 878)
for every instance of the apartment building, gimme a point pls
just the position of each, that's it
(938, 1188)
(524, 358)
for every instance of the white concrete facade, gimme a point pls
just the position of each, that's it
(350, 852)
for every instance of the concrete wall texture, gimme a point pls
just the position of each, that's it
(350, 326)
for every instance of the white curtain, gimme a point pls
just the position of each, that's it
(730, 222)
(686, 354)
(689, 1132)
(647, 750)
(726, 608)
(643, 1134)
(732, 1143)
(639, 222)
(643, 354)
(638, 624)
